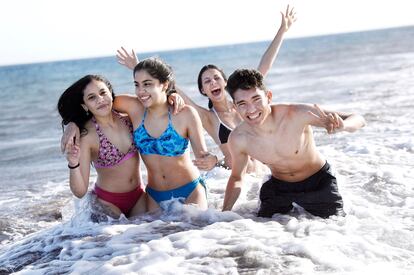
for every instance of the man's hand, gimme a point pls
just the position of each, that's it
(70, 137)
(129, 60)
(332, 122)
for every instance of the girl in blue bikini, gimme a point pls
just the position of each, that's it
(163, 139)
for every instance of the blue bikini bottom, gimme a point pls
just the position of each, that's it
(180, 192)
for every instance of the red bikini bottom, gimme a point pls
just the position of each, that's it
(124, 201)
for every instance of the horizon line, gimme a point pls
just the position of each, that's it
(201, 47)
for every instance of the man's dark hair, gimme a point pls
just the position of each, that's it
(244, 79)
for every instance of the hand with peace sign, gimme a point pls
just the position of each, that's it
(331, 121)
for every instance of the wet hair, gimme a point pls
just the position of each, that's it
(200, 81)
(244, 79)
(158, 69)
(69, 104)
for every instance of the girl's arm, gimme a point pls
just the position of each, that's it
(128, 104)
(203, 113)
(204, 160)
(70, 137)
(79, 159)
(270, 54)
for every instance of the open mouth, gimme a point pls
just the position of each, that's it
(216, 92)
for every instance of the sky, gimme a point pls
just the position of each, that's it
(49, 30)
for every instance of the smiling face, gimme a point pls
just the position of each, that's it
(253, 105)
(250, 96)
(97, 98)
(213, 84)
(148, 89)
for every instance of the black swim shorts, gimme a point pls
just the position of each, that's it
(317, 194)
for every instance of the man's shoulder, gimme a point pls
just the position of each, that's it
(241, 128)
(288, 109)
(239, 134)
(280, 107)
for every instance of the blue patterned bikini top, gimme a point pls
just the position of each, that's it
(170, 143)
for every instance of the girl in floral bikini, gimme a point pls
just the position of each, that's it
(106, 141)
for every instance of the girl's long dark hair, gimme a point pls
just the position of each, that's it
(69, 104)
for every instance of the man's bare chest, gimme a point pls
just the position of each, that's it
(275, 147)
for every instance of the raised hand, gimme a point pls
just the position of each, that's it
(129, 60)
(332, 122)
(207, 162)
(288, 18)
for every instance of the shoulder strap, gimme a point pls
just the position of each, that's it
(145, 115)
(214, 110)
(169, 116)
(98, 129)
(221, 122)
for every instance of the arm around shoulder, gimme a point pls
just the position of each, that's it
(127, 104)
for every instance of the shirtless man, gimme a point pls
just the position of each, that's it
(281, 137)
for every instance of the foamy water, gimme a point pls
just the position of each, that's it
(374, 238)
(374, 167)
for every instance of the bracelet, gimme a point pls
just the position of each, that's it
(222, 164)
(74, 167)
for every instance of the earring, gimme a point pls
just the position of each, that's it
(87, 112)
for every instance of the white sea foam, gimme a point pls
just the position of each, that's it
(375, 236)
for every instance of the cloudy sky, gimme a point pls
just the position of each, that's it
(46, 30)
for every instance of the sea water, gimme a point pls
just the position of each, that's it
(45, 230)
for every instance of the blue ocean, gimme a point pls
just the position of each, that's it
(44, 229)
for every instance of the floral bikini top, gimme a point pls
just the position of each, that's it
(170, 143)
(109, 155)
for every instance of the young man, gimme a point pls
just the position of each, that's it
(280, 136)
